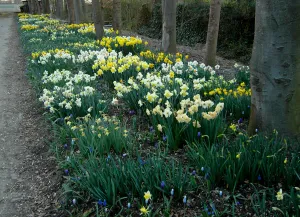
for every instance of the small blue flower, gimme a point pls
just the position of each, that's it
(259, 178)
(65, 146)
(237, 203)
(74, 201)
(202, 169)
(184, 200)
(162, 184)
(151, 129)
(104, 203)
(72, 141)
(124, 155)
(198, 134)
(108, 158)
(220, 193)
(128, 205)
(172, 192)
(165, 138)
(71, 115)
(243, 112)
(156, 145)
(256, 130)
(194, 172)
(141, 161)
(240, 121)
(91, 150)
(248, 106)
(66, 171)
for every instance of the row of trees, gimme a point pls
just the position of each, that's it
(275, 64)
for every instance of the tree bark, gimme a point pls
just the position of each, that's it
(38, 7)
(275, 67)
(59, 7)
(45, 7)
(212, 32)
(117, 15)
(83, 10)
(169, 26)
(78, 11)
(71, 12)
(98, 18)
(30, 6)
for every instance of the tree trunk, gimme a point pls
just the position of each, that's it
(117, 19)
(45, 7)
(30, 6)
(169, 26)
(275, 67)
(98, 18)
(59, 6)
(212, 32)
(83, 10)
(38, 7)
(71, 12)
(78, 11)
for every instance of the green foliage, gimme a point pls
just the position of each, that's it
(258, 159)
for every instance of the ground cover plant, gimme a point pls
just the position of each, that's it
(139, 132)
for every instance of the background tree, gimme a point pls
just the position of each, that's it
(212, 32)
(71, 12)
(275, 67)
(84, 11)
(45, 7)
(117, 15)
(98, 18)
(59, 7)
(169, 26)
(78, 11)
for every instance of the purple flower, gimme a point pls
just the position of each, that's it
(65, 146)
(66, 171)
(162, 184)
(240, 121)
(194, 172)
(131, 112)
(198, 134)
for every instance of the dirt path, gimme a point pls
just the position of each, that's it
(28, 176)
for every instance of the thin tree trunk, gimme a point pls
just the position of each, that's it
(212, 33)
(98, 18)
(38, 7)
(169, 26)
(71, 12)
(117, 13)
(275, 67)
(83, 10)
(30, 6)
(78, 11)
(45, 7)
(59, 9)
(52, 8)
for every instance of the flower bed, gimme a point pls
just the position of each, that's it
(143, 132)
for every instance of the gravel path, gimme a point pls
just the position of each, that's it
(28, 176)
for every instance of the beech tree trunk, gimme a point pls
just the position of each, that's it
(84, 12)
(98, 18)
(275, 67)
(169, 26)
(71, 12)
(78, 11)
(38, 7)
(30, 6)
(117, 15)
(212, 33)
(45, 7)
(59, 7)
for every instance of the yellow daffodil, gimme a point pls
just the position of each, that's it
(279, 195)
(144, 210)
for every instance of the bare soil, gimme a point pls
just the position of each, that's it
(29, 177)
